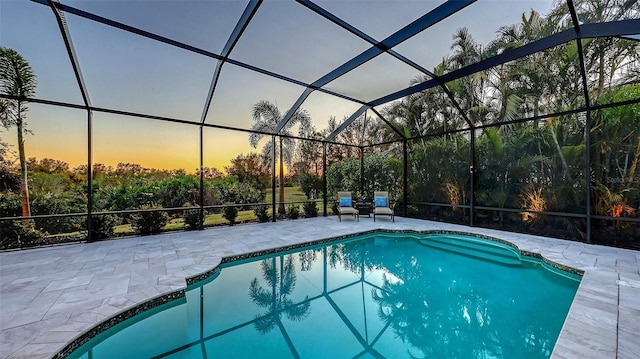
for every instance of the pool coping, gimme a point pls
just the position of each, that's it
(179, 294)
(51, 296)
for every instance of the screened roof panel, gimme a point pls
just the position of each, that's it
(31, 29)
(54, 132)
(205, 24)
(603, 74)
(387, 111)
(384, 109)
(148, 143)
(238, 90)
(601, 11)
(368, 129)
(357, 132)
(122, 71)
(289, 39)
(220, 146)
(633, 37)
(427, 112)
(446, 117)
(439, 113)
(375, 78)
(321, 107)
(381, 18)
(538, 84)
(483, 20)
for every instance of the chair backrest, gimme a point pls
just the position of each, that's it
(381, 199)
(347, 202)
(344, 194)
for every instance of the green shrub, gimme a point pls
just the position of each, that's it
(293, 211)
(230, 213)
(102, 226)
(261, 213)
(191, 219)
(149, 222)
(18, 234)
(9, 181)
(310, 209)
(10, 204)
(59, 203)
(309, 183)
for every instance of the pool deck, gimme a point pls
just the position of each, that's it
(49, 296)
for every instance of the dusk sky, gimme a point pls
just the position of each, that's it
(128, 72)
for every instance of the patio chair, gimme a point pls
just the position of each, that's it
(381, 205)
(345, 206)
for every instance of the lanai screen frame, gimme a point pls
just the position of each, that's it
(575, 34)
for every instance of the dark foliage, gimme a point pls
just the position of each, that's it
(310, 209)
(149, 222)
(293, 211)
(102, 226)
(262, 213)
(192, 219)
(19, 234)
(230, 213)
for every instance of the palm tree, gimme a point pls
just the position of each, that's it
(276, 297)
(469, 90)
(606, 57)
(267, 116)
(17, 80)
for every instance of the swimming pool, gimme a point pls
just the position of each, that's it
(388, 295)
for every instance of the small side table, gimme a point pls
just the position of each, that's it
(364, 209)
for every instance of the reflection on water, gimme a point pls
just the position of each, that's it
(280, 277)
(383, 296)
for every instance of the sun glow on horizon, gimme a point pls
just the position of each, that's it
(62, 134)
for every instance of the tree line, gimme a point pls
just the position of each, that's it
(530, 141)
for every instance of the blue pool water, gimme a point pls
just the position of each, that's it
(382, 295)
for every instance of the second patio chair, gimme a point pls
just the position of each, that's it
(381, 205)
(345, 206)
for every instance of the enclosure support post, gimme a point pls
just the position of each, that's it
(281, 210)
(324, 177)
(587, 140)
(201, 204)
(587, 175)
(362, 195)
(89, 176)
(66, 37)
(273, 180)
(587, 125)
(472, 177)
(405, 183)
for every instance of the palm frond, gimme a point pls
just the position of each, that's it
(265, 324)
(298, 312)
(267, 154)
(16, 75)
(265, 111)
(259, 295)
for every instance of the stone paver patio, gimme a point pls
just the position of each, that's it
(49, 296)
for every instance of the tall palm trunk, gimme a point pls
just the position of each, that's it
(600, 74)
(17, 79)
(563, 162)
(24, 186)
(281, 209)
(631, 174)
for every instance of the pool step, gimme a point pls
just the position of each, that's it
(477, 248)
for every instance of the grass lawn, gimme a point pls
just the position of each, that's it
(291, 194)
